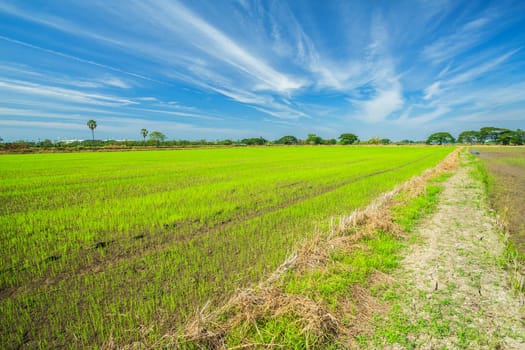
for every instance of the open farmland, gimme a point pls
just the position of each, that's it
(507, 166)
(124, 245)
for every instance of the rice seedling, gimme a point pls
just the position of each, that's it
(95, 246)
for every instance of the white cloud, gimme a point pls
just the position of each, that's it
(67, 95)
(147, 99)
(265, 55)
(282, 113)
(177, 114)
(22, 71)
(387, 96)
(468, 36)
(476, 24)
(383, 104)
(475, 72)
(17, 112)
(432, 90)
(41, 124)
(215, 43)
(422, 118)
(510, 114)
(78, 59)
(116, 82)
(341, 74)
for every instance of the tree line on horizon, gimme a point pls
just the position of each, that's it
(486, 135)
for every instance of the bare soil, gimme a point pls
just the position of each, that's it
(509, 189)
(453, 288)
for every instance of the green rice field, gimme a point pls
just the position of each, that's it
(123, 246)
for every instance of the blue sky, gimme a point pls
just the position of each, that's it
(234, 69)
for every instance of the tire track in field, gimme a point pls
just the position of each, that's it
(113, 249)
(20, 200)
(321, 191)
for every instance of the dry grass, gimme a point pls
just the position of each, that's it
(266, 300)
(250, 305)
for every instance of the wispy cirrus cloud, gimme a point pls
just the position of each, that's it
(181, 21)
(301, 65)
(54, 125)
(444, 90)
(383, 104)
(472, 73)
(116, 82)
(177, 113)
(422, 117)
(78, 59)
(432, 90)
(27, 73)
(466, 37)
(386, 95)
(67, 95)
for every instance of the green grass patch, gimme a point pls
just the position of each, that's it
(97, 245)
(332, 284)
(480, 173)
(333, 281)
(283, 331)
(409, 215)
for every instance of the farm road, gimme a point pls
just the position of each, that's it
(453, 289)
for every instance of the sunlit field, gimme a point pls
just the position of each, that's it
(124, 245)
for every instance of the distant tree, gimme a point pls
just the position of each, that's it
(92, 125)
(157, 136)
(47, 143)
(470, 136)
(386, 141)
(440, 138)
(485, 134)
(505, 138)
(1, 140)
(287, 140)
(491, 134)
(511, 137)
(374, 141)
(226, 142)
(144, 133)
(254, 141)
(519, 137)
(348, 139)
(313, 139)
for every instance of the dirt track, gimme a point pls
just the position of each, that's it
(453, 290)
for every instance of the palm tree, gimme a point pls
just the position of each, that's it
(144, 133)
(92, 125)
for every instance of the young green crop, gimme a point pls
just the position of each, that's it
(96, 246)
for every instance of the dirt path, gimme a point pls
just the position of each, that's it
(452, 290)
